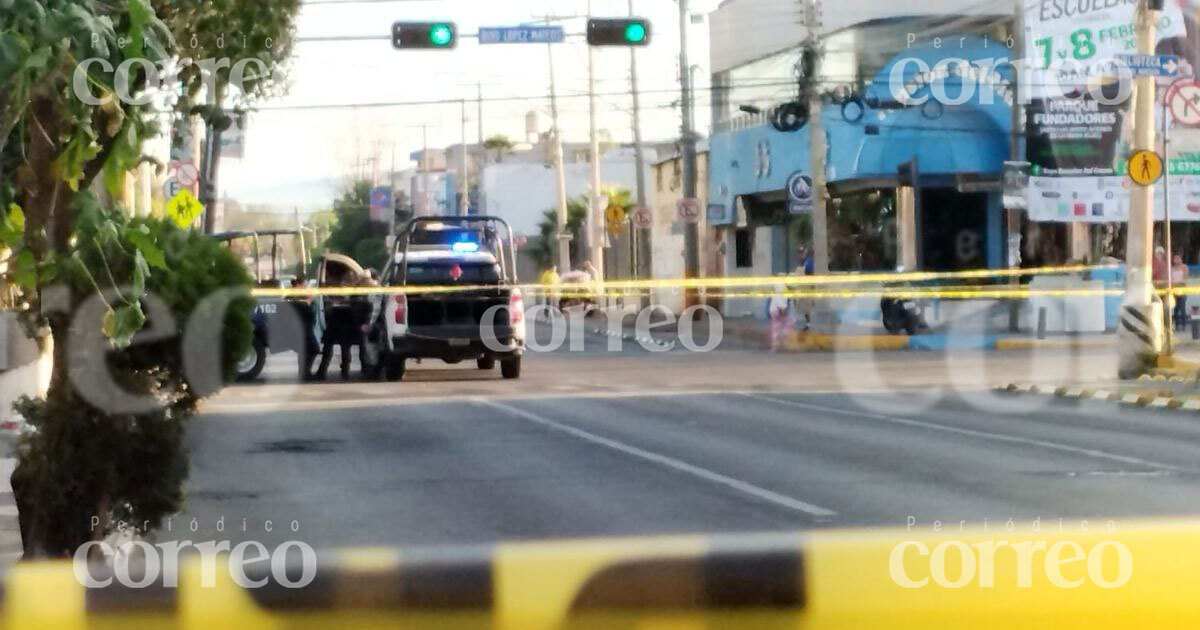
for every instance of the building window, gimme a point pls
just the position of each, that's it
(743, 248)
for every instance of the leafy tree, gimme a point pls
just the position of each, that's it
(544, 249)
(237, 30)
(354, 233)
(67, 250)
(94, 453)
(500, 144)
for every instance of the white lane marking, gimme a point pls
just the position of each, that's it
(8, 510)
(670, 462)
(1012, 439)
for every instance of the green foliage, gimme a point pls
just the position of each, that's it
(233, 29)
(354, 233)
(543, 248)
(48, 134)
(81, 460)
(862, 231)
(498, 142)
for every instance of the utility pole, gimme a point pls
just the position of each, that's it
(425, 189)
(564, 238)
(479, 110)
(1140, 339)
(595, 216)
(464, 202)
(391, 221)
(816, 137)
(691, 234)
(641, 237)
(1017, 122)
(481, 203)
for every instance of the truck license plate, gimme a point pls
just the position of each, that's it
(460, 342)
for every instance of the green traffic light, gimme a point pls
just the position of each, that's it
(635, 32)
(441, 35)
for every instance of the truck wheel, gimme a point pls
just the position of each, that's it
(486, 363)
(393, 368)
(511, 368)
(252, 363)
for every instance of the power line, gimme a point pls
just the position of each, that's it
(452, 101)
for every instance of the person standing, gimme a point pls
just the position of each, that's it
(1179, 278)
(341, 331)
(549, 281)
(1158, 267)
(780, 313)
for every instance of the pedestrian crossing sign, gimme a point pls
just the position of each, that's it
(1145, 167)
(184, 208)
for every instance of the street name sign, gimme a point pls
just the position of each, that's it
(521, 34)
(1151, 65)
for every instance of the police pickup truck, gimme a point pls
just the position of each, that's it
(456, 298)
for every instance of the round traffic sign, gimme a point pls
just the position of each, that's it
(642, 219)
(1184, 103)
(688, 209)
(187, 174)
(799, 187)
(1145, 167)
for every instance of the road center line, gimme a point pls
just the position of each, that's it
(1012, 439)
(669, 462)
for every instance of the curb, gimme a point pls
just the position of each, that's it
(1055, 344)
(822, 342)
(1148, 400)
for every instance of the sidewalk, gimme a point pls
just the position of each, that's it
(867, 334)
(753, 333)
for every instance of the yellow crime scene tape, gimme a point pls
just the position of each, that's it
(613, 288)
(1135, 575)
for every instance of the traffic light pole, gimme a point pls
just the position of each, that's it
(691, 234)
(564, 238)
(816, 137)
(464, 202)
(641, 237)
(1140, 337)
(595, 216)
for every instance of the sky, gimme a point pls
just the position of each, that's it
(297, 157)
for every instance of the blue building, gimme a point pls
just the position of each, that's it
(922, 91)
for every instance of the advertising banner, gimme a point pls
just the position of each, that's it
(1077, 144)
(1067, 41)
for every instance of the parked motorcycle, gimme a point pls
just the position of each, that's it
(902, 315)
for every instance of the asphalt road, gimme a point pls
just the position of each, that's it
(635, 443)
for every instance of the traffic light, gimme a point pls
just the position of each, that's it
(424, 35)
(618, 32)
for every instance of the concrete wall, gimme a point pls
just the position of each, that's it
(748, 307)
(666, 234)
(25, 371)
(521, 193)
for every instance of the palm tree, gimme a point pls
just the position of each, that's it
(500, 144)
